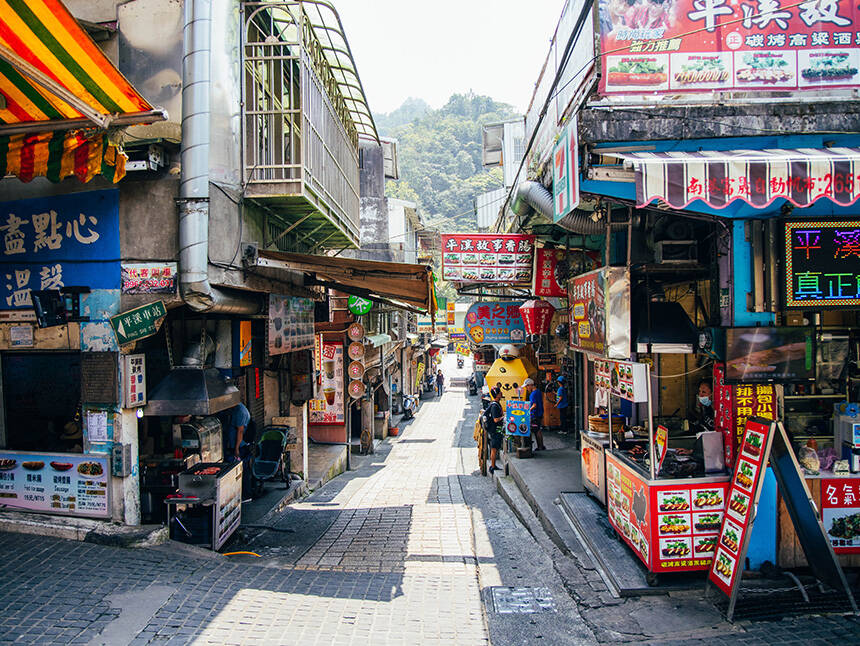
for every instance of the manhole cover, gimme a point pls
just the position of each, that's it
(508, 600)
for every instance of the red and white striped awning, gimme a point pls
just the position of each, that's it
(757, 177)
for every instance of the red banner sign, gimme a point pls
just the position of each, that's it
(547, 281)
(713, 45)
(742, 497)
(724, 413)
(487, 258)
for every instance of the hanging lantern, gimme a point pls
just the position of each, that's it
(537, 316)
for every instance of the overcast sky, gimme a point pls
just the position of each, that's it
(407, 48)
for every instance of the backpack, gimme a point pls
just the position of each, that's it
(487, 422)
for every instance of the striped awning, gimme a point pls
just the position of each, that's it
(758, 177)
(55, 79)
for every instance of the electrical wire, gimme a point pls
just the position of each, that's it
(684, 374)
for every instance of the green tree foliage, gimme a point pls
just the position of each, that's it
(440, 157)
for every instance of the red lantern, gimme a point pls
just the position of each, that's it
(537, 316)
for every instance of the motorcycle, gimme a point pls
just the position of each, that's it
(410, 405)
(473, 385)
(459, 362)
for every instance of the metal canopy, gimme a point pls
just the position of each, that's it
(408, 286)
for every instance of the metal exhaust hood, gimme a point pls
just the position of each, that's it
(671, 330)
(190, 390)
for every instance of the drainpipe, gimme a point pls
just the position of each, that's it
(533, 196)
(193, 202)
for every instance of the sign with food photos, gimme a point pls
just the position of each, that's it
(743, 495)
(751, 400)
(327, 407)
(291, 324)
(719, 45)
(840, 513)
(69, 484)
(487, 258)
(671, 528)
(517, 418)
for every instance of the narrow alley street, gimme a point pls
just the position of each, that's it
(411, 547)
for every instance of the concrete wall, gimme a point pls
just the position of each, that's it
(371, 170)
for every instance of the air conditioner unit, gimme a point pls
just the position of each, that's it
(679, 251)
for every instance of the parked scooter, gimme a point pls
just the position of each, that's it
(460, 361)
(410, 405)
(473, 385)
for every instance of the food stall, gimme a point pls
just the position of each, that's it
(665, 498)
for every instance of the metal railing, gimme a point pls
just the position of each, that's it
(298, 136)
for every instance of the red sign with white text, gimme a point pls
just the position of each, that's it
(739, 45)
(742, 497)
(724, 412)
(487, 258)
(840, 513)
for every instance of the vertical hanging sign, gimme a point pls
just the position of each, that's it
(565, 172)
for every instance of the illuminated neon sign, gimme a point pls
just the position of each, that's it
(822, 264)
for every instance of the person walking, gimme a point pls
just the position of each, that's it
(440, 382)
(562, 404)
(535, 412)
(494, 417)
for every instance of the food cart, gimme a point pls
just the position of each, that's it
(665, 503)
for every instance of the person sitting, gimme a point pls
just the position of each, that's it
(702, 419)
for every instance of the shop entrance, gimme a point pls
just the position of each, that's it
(41, 396)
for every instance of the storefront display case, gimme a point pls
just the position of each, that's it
(670, 517)
(208, 508)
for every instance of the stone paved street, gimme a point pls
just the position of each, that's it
(411, 547)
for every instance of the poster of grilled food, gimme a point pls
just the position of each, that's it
(70, 484)
(488, 258)
(828, 67)
(701, 71)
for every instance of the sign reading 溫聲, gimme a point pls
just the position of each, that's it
(52, 242)
(74, 485)
(149, 278)
(487, 258)
(517, 418)
(138, 323)
(495, 323)
(822, 264)
(714, 45)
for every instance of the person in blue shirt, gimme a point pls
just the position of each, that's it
(239, 419)
(536, 412)
(561, 403)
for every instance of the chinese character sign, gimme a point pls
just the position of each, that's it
(712, 45)
(751, 400)
(547, 280)
(149, 278)
(499, 322)
(724, 412)
(52, 242)
(517, 418)
(822, 264)
(587, 300)
(487, 258)
(840, 513)
(327, 409)
(565, 172)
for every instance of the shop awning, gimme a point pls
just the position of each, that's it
(412, 338)
(438, 343)
(377, 340)
(758, 177)
(397, 284)
(60, 94)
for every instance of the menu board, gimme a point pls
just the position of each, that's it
(291, 324)
(517, 418)
(681, 531)
(743, 496)
(840, 513)
(228, 513)
(587, 299)
(625, 379)
(55, 483)
(327, 407)
(497, 322)
(487, 258)
(713, 45)
(822, 262)
(751, 400)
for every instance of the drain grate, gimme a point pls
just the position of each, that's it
(507, 600)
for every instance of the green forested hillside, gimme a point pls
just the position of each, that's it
(440, 156)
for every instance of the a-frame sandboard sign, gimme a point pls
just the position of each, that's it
(766, 440)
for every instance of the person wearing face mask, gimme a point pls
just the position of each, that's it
(703, 412)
